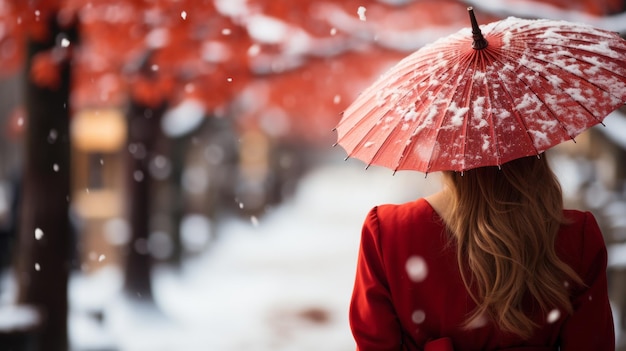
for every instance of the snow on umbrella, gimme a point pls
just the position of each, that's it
(487, 95)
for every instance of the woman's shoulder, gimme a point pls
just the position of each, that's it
(580, 240)
(580, 225)
(405, 223)
(404, 213)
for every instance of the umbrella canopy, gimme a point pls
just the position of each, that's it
(487, 95)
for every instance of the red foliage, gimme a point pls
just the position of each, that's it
(152, 91)
(163, 51)
(167, 45)
(44, 71)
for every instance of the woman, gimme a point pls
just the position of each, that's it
(492, 262)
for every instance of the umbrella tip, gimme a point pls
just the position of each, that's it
(479, 40)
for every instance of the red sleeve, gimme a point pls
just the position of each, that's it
(372, 316)
(591, 325)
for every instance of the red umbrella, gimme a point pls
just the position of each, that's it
(468, 101)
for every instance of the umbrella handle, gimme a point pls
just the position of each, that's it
(479, 40)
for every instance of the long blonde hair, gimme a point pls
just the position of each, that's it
(505, 222)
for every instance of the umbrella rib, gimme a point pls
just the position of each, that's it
(516, 112)
(388, 137)
(579, 58)
(445, 107)
(560, 90)
(401, 160)
(356, 125)
(384, 143)
(581, 77)
(494, 135)
(363, 140)
(554, 115)
(466, 95)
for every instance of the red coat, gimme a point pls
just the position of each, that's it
(408, 293)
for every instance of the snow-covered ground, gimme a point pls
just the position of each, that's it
(280, 283)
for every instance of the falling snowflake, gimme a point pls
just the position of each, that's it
(418, 317)
(52, 136)
(361, 13)
(38, 233)
(138, 176)
(416, 268)
(479, 322)
(254, 50)
(553, 316)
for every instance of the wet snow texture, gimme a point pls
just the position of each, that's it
(448, 106)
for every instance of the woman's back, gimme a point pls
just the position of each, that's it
(409, 290)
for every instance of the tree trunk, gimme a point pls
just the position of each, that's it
(178, 153)
(144, 124)
(42, 258)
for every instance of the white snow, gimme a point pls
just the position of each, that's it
(553, 316)
(18, 317)
(38, 233)
(266, 29)
(232, 8)
(215, 51)
(478, 109)
(417, 268)
(615, 128)
(458, 114)
(183, 118)
(418, 317)
(282, 284)
(361, 12)
(617, 255)
(158, 38)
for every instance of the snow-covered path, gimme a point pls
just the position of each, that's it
(282, 283)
